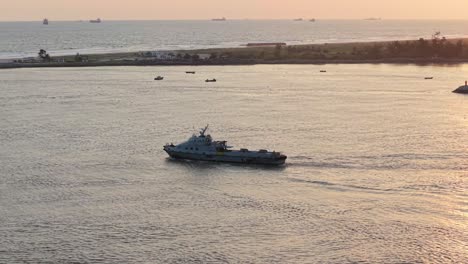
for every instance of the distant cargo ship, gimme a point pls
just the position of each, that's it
(95, 20)
(45, 21)
(312, 20)
(219, 19)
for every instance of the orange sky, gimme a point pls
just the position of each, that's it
(240, 9)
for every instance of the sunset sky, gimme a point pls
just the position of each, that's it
(240, 9)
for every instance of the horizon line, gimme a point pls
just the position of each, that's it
(247, 19)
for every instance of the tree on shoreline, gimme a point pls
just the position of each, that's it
(277, 51)
(44, 55)
(375, 51)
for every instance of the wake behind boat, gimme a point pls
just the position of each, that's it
(202, 147)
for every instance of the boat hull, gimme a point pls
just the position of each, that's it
(280, 160)
(462, 90)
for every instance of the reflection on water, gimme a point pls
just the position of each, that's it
(376, 169)
(202, 165)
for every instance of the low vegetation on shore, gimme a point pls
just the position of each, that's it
(432, 49)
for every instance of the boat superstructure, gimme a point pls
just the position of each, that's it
(203, 147)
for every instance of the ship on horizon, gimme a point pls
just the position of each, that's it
(45, 21)
(219, 19)
(95, 20)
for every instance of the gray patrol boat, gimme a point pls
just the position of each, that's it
(202, 147)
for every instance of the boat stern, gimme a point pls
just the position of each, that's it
(281, 159)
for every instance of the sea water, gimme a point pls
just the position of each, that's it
(22, 39)
(376, 172)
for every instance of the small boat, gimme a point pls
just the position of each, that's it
(312, 20)
(159, 78)
(202, 147)
(428, 78)
(462, 89)
(323, 71)
(212, 80)
(190, 72)
(45, 21)
(219, 19)
(95, 20)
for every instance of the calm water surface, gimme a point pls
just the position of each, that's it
(377, 168)
(19, 39)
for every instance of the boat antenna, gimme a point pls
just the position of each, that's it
(202, 132)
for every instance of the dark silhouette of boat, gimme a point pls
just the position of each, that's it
(219, 19)
(429, 78)
(190, 72)
(95, 20)
(462, 89)
(323, 71)
(212, 80)
(45, 21)
(159, 78)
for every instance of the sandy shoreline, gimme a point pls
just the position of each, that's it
(230, 62)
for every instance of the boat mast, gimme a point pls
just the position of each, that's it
(203, 130)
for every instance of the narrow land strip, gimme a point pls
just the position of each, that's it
(434, 51)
